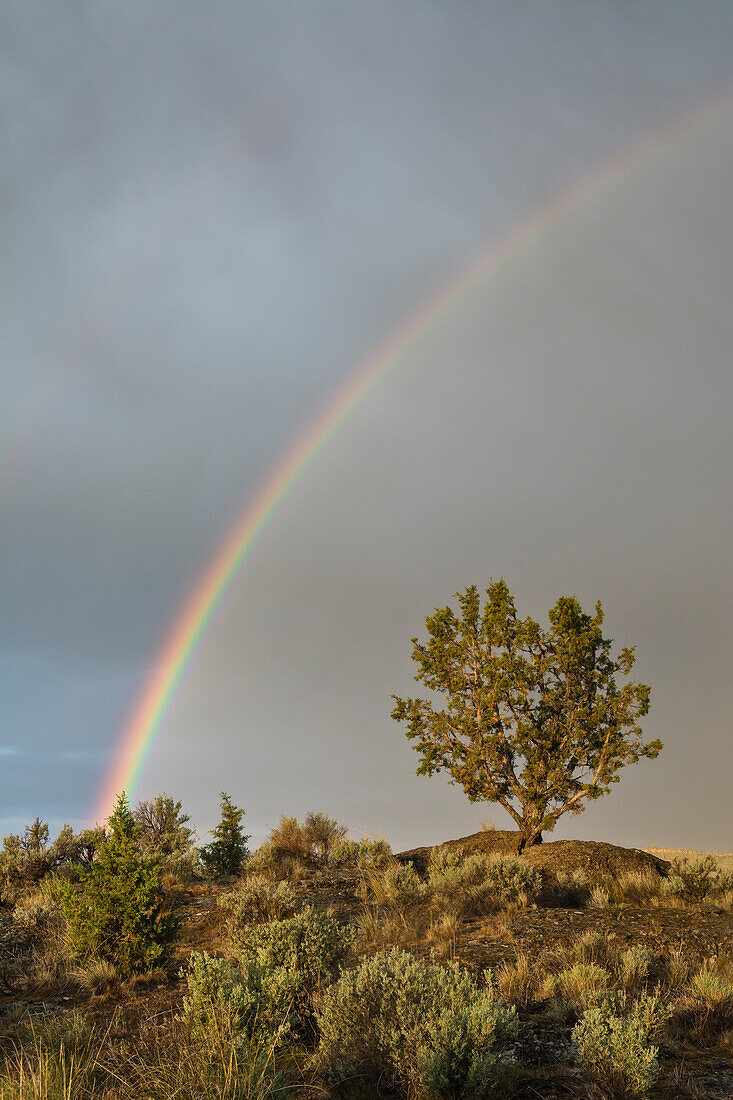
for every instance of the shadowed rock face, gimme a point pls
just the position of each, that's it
(598, 860)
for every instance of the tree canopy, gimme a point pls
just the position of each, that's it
(533, 719)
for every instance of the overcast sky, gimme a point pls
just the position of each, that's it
(212, 212)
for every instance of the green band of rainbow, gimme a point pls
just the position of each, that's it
(173, 660)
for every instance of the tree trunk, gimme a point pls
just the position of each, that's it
(528, 838)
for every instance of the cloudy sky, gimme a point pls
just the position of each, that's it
(212, 213)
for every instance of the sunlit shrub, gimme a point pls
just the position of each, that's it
(615, 1052)
(421, 1026)
(477, 883)
(255, 900)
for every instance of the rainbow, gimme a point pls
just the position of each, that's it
(189, 627)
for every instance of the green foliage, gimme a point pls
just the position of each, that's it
(477, 883)
(426, 1028)
(254, 901)
(697, 879)
(240, 1004)
(534, 719)
(26, 860)
(117, 913)
(303, 953)
(362, 854)
(615, 1052)
(581, 985)
(228, 850)
(165, 835)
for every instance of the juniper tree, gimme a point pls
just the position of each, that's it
(164, 832)
(117, 914)
(533, 719)
(228, 850)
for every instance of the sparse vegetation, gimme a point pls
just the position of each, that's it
(330, 966)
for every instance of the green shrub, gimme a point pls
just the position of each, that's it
(362, 854)
(226, 854)
(581, 985)
(615, 1053)
(398, 885)
(421, 1026)
(165, 835)
(234, 1005)
(254, 901)
(303, 953)
(117, 913)
(699, 878)
(474, 884)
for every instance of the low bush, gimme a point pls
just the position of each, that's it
(615, 1052)
(476, 884)
(421, 1026)
(361, 854)
(255, 900)
(398, 886)
(581, 986)
(303, 953)
(230, 1005)
(698, 879)
(593, 947)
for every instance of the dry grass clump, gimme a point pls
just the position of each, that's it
(706, 1006)
(578, 987)
(594, 947)
(519, 983)
(636, 967)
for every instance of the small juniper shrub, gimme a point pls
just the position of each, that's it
(255, 900)
(615, 1052)
(424, 1027)
(118, 913)
(226, 854)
